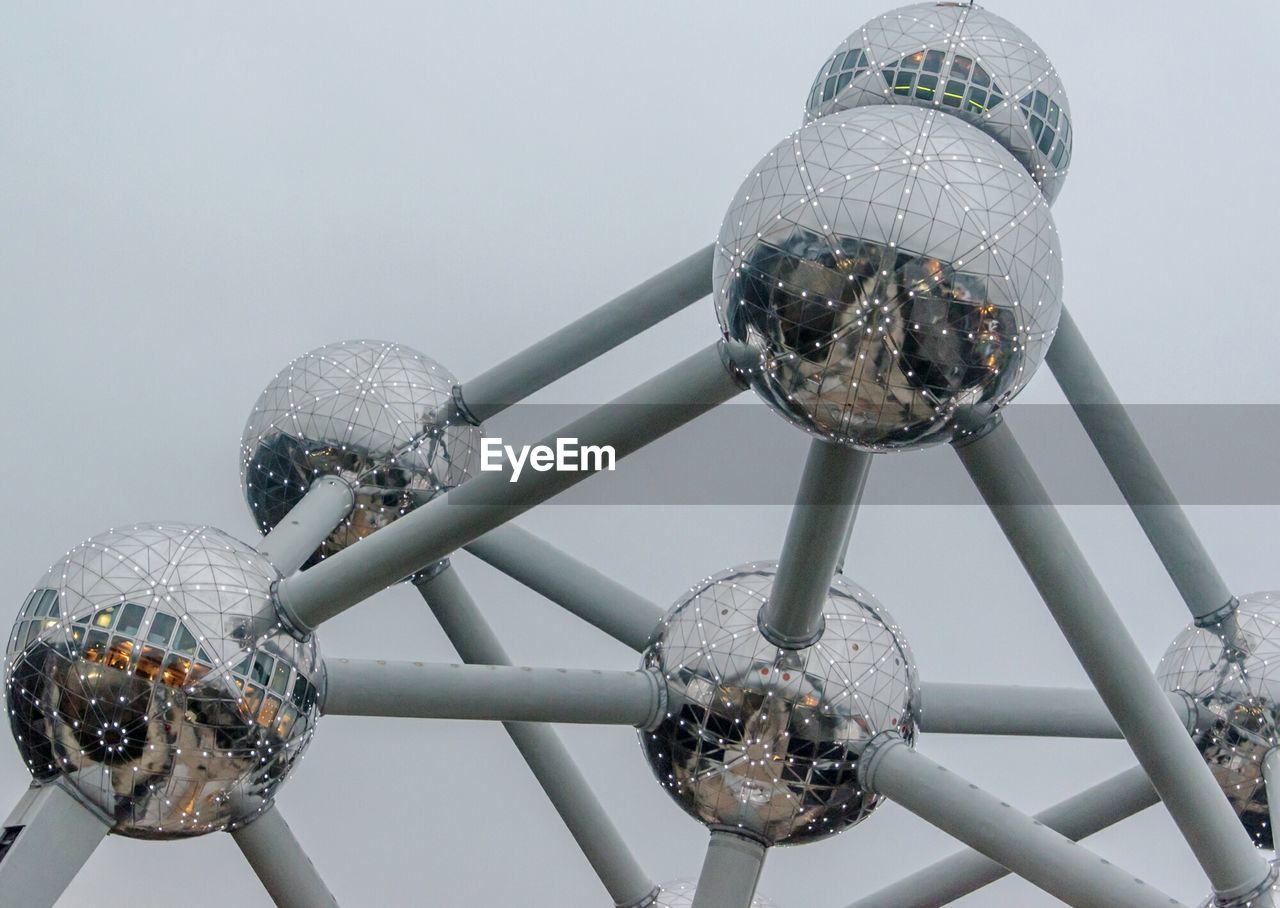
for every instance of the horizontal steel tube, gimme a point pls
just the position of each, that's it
(985, 823)
(280, 863)
(1078, 817)
(440, 526)
(730, 871)
(542, 749)
(1113, 662)
(991, 709)
(1136, 473)
(833, 478)
(595, 333)
(420, 690)
(291, 542)
(582, 590)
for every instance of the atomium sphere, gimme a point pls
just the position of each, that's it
(1269, 897)
(762, 740)
(148, 672)
(1235, 679)
(680, 893)
(959, 60)
(372, 413)
(898, 273)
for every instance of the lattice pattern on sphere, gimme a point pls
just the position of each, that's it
(1238, 684)
(963, 61)
(680, 893)
(761, 739)
(899, 272)
(368, 411)
(147, 669)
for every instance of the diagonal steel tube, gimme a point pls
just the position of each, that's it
(44, 842)
(542, 749)
(429, 533)
(280, 863)
(1137, 475)
(1030, 849)
(991, 709)
(730, 871)
(1113, 662)
(1076, 818)
(291, 542)
(830, 486)
(599, 600)
(596, 333)
(367, 687)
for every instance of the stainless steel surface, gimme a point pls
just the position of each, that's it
(280, 863)
(764, 740)
(1111, 659)
(988, 825)
(1267, 896)
(1236, 682)
(148, 671)
(830, 489)
(898, 273)
(374, 414)
(579, 588)
(964, 872)
(44, 842)
(961, 60)
(681, 893)
(632, 420)
(368, 687)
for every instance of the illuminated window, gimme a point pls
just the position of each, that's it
(968, 86)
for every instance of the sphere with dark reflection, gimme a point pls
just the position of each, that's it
(1269, 897)
(147, 670)
(680, 893)
(375, 414)
(897, 272)
(763, 740)
(960, 60)
(1232, 671)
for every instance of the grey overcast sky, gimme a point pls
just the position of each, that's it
(193, 194)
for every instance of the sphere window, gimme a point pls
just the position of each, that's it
(968, 85)
(832, 79)
(1050, 127)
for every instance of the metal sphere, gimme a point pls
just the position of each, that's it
(898, 273)
(680, 893)
(1233, 675)
(960, 60)
(367, 411)
(762, 740)
(147, 672)
(1268, 897)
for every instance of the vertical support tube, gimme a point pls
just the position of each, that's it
(1078, 817)
(985, 823)
(853, 518)
(730, 871)
(1113, 662)
(542, 749)
(45, 841)
(431, 532)
(1271, 776)
(598, 600)
(292, 540)
(576, 344)
(280, 863)
(1137, 475)
(833, 478)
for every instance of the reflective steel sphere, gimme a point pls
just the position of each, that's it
(1269, 897)
(960, 60)
(763, 740)
(897, 270)
(367, 411)
(147, 670)
(680, 893)
(1234, 676)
